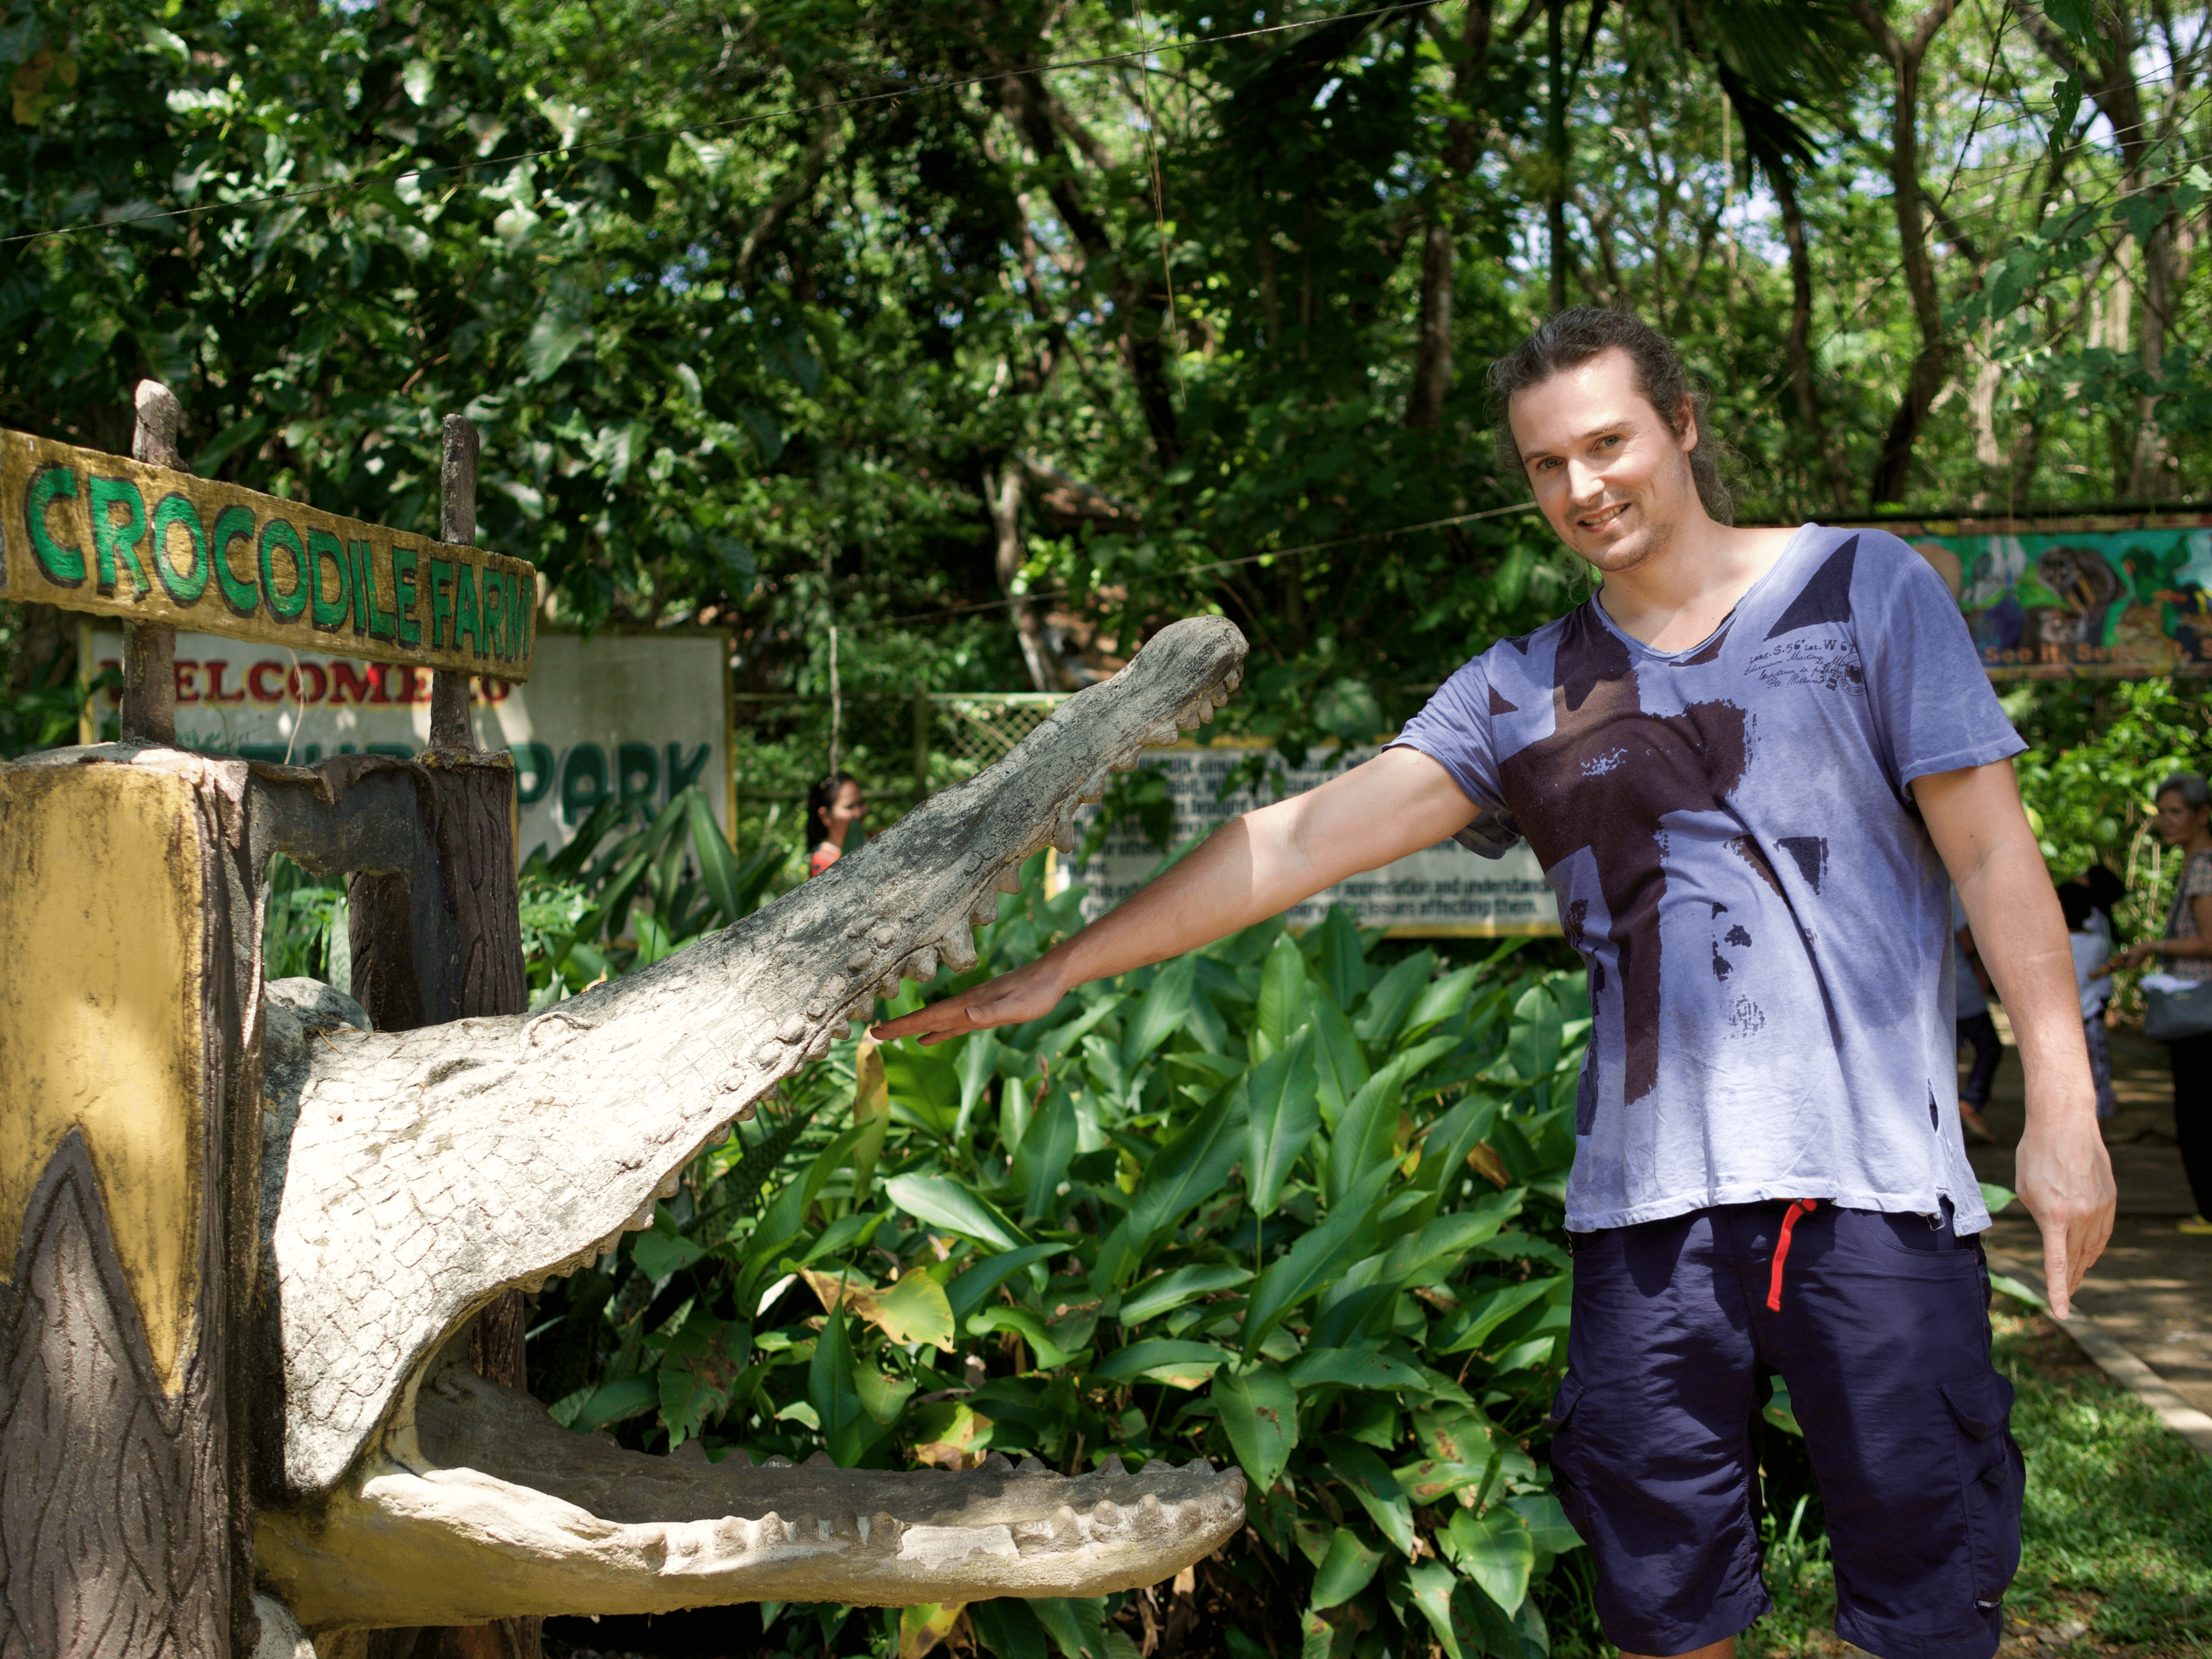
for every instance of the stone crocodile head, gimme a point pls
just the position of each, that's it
(410, 1177)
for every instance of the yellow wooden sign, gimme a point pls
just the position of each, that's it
(99, 533)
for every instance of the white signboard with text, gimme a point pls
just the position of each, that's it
(1443, 891)
(637, 717)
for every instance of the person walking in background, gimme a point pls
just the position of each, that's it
(835, 807)
(2184, 821)
(1970, 990)
(2093, 947)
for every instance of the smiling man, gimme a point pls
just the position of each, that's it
(1751, 765)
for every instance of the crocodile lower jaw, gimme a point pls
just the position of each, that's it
(483, 1508)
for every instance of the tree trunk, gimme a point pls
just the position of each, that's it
(1810, 414)
(1003, 496)
(1893, 465)
(1555, 152)
(1432, 355)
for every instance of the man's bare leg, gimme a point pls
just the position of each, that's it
(1724, 1648)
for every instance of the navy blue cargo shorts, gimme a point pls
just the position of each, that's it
(1879, 1324)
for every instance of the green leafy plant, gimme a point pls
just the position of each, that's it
(1282, 1202)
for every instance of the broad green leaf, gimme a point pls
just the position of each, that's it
(1549, 1529)
(1391, 997)
(1494, 1549)
(882, 1397)
(1049, 1355)
(967, 1293)
(1190, 1168)
(1467, 1623)
(1078, 1629)
(554, 338)
(1013, 1114)
(1158, 1358)
(1997, 1198)
(1317, 1257)
(1281, 1114)
(833, 1391)
(1354, 1368)
(979, 1059)
(1345, 1571)
(1369, 1127)
(1340, 957)
(1282, 997)
(1339, 1067)
(717, 865)
(2019, 1291)
(917, 1310)
(1161, 1012)
(1468, 1327)
(1165, 1293)
(1008, 1626)
(947, 1204)
(616, 1402)
(1363, 1472)
(658, 1254)
(1439, 1000)
(1042, 1163)
(1431, 1481)
(1533, 1047)
(1260, 1412)
(871, 1115)
(1450, 1236)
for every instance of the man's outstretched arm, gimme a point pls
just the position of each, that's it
(2063, 1173)
(1253, 867)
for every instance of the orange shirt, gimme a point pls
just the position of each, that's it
(824, 855)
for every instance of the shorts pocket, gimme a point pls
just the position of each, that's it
(1993, 1478)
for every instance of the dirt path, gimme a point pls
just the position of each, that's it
(2152, 1293)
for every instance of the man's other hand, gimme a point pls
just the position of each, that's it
(1026, 994)
(2064, 1177)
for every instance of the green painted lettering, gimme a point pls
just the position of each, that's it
(175, 511)
(442, 605)
(63, 565)
(110, 540)
(404, 562)
(682, 772)
(331, 601)
(233, 524)
(284, 607)
(466, 608)
(495, 610)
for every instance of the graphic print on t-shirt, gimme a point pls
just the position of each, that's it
(1729, 832)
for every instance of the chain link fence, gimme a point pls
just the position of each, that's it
(903, 748)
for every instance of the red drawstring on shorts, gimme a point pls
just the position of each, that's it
(1803, 1205)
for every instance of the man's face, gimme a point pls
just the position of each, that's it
(1613, 480)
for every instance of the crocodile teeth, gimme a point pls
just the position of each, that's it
(821, 1460)
(1063, 836)
(958, 949)
(985, 913)
(820, 1046)
(1189, 718)
(1032, 1466)
(922, 966)
(1205, 713)
(998, 1463)
(1126, 760)
(1010, 878)
(1160, 736)
(1106, 1515)
(1093, 790)
(667, 1188)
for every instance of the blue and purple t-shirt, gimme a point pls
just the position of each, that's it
(1736, 855)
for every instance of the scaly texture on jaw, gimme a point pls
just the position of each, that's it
(422, 1171)
(488, 1509)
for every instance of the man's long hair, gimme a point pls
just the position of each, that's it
(1572, 339)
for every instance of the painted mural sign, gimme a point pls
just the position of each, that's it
(1442, 891)
(98, 533)
(634, 718)
(2102, 597)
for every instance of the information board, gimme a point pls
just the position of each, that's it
(1442, 891)
(636, 716)
(98, 533)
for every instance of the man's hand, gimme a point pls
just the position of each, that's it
(2063, 1176)
(1026, 994)
(1255, 867)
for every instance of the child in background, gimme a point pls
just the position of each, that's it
(835, 807)
(2088, 930)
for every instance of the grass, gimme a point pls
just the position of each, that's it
(2116, 1538)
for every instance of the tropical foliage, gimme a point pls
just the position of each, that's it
(1276, 1202)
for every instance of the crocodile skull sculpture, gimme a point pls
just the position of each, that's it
(409, 1177)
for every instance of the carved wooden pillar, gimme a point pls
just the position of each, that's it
(425, 958)
(120, 1059)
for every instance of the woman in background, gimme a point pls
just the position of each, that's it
(2184, 822)
(835, 807)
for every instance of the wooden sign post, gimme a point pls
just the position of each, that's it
(129, 1018)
